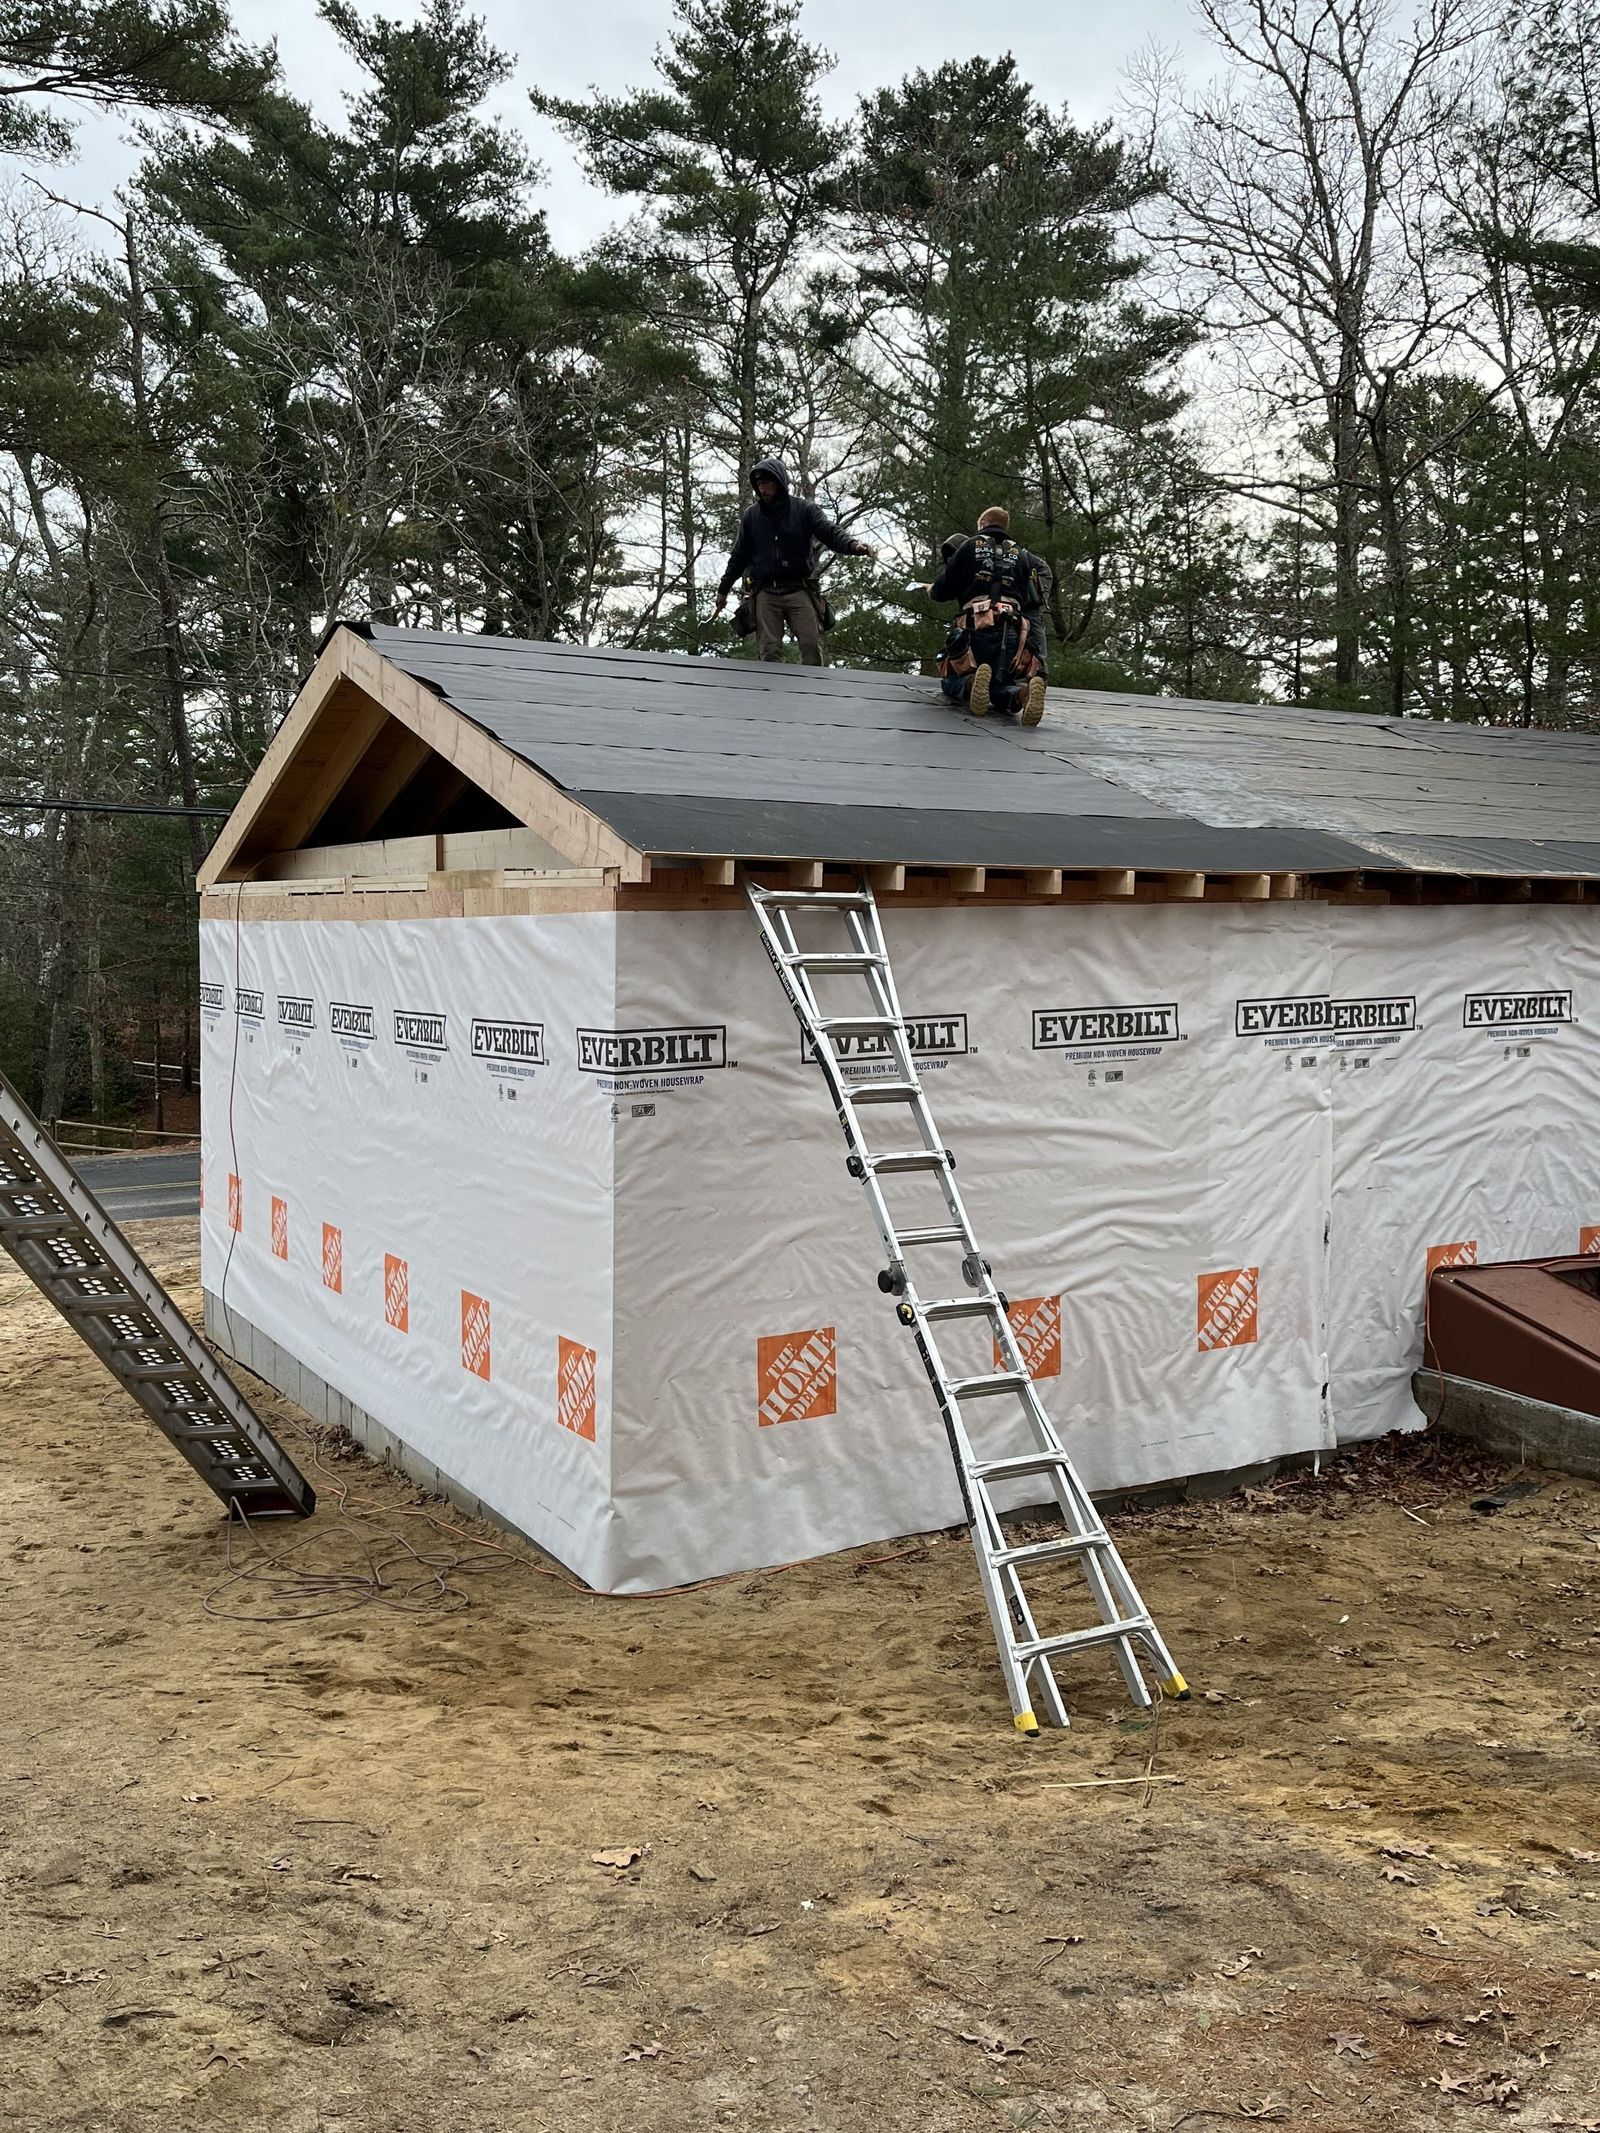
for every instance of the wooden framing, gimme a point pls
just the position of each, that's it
(363, 732)
(351, 692)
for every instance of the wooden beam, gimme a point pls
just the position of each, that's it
(1251, 888)
(1186, 886)
(393, 760)
(805, 873)
(1285, 885)
(1043, 881)
(580, 837)
(967, 881)
(887, 880)
(1114, 881)
(717, 873)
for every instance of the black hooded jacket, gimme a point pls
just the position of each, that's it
(777, 541)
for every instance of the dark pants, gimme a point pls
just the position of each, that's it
(799, 611)
(994, 649)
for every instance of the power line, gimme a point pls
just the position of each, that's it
(112, 807)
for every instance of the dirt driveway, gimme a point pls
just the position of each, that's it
(312, 1846)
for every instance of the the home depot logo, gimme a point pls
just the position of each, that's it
(280, 1228)
(652, 1051)
(1318, 1015)
(520, 1042)
(250, 1004)
(235, 1202)
(1463, 1254)
(419, 1033)
(797, 1376)
(1036, 1328)
(474, 1334)
(930, 1036)
(577, 1380)
(1589, 1243)
(351, 1021)
(333, 1258)
(1227, 1308)
(213, 998)
(1514, 1010)
(296, 1013)
(1071, 1029)
(396, 1293)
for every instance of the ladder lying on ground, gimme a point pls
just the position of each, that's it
(1025, 1655)
(69, 1247)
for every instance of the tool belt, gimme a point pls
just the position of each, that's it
(983, 615)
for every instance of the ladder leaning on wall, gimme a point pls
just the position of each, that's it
(72, 1251)
(1025, 1656)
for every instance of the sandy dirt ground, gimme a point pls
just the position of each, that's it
(312, 1845)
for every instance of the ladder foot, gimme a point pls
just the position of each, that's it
(1026, 1724)
(1177, 1688)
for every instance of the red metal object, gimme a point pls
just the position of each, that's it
(1529, 1326)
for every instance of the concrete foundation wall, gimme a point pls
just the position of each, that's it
(1531, 1432)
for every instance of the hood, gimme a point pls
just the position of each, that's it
(773, 469)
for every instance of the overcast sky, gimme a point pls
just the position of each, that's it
(1073, 51)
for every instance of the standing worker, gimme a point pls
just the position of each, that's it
(777, 544)
(1001, 587)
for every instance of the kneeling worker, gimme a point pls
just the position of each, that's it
(777, 546)
(995, 655)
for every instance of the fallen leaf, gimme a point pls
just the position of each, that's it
(699, 1873)
(755, 1932)
(992, 2042)
(1434, 1933)
(1460, 2044)
(636, 2052)
(1349, 2040)
(1405, 1851)
(72, 1977)
(136, 2014)
(1448, 2083)
(193, 1799)
(356, 1873)
(620, 1859)
(1398, 1873)
(280, 1866)
(1240, 1963)
(1587, 1859)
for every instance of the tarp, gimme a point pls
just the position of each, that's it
(1209, 1149)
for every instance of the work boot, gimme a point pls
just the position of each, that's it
(978, 701)
(1033, 709)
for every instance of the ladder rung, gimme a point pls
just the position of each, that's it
(1083, 1639)
(883, 1092)
(961, 1306)
(947, 1233)
(810, 899)
(37, 1225)
(70, 1303)
(856, 1025)
(989, 1384)
(911, 1159)
(1019, 1464)
(1049, 1551)
(835, 959)
(152, 1373)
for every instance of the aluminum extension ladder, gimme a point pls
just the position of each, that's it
(1025, 1656)
(70, 1249)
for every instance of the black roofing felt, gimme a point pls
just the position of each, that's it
(730, 756)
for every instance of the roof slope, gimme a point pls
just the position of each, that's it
(727, 756)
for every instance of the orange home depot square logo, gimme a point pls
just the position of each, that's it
(1452, 1255)
(1589, 1243)
(396, 1293)
(1036, 1326)
(235, 1202)
(474, 1334)
(333, 1258)
(797, 1376)
(280, 1228)
(577, 1381)
(1227, 1308)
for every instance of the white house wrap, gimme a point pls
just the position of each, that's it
(521, 1171)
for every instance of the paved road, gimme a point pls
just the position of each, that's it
(137, 1188)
